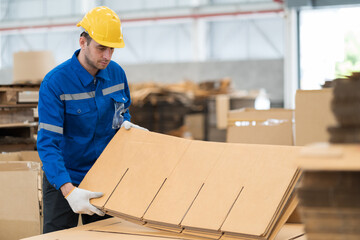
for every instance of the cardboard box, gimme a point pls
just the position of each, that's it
(217, 109)
(20, 187)
(313, 116)
(202, 188)
(274, 126)
(31, 67)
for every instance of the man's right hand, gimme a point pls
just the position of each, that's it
(79, 200)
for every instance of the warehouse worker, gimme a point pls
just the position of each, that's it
(82, 103)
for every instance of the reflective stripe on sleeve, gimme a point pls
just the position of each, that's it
(50, 127)
(112, 89)
(77, 96)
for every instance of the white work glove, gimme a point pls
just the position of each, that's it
(127, 125)
(79, 201)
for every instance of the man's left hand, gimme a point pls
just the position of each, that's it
(127, 125)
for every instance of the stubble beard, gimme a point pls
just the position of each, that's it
(92, 64)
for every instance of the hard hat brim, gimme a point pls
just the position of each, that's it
(110, 44)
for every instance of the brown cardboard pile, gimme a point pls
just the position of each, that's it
(273, 126)
(346, 108)
(202, 189)
(20, 199)
(329, 192)
(119, 229)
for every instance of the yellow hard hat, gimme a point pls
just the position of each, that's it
(104, 26)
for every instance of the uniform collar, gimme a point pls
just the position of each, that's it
(85, 77)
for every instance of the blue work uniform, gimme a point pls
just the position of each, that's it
(76, 111)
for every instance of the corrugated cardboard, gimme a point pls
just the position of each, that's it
(118, 229)
(31, 67)
(211, 188)
(20, 186)
(272, 126)
(313, 116)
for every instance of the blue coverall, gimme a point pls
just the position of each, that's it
(75, 118)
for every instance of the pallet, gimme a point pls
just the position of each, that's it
(16, 115)
(18, 94)
(17, 137)
(18, 130)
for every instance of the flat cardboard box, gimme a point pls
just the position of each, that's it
(248, 125)
(31, 67)
(313, 116)
(20, 187)
(209, 188)
(119, 229)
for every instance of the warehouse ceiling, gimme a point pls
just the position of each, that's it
(195, 30)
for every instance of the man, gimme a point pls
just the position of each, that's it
(82, 103)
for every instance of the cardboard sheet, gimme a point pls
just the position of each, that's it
(264, 191)
(182, 187)
(212, 188)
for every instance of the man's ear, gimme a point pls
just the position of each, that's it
(82, 42)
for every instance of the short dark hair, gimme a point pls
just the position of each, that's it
(87, 36)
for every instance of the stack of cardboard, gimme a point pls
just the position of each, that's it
(201, 189)
(329, 192)
(21, 198)
(346, 107)
(119, 229)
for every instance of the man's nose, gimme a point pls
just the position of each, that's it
(107, 53)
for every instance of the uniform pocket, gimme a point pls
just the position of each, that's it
(79, 120)
(77, 108)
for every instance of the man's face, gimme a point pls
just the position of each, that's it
(97, 56)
